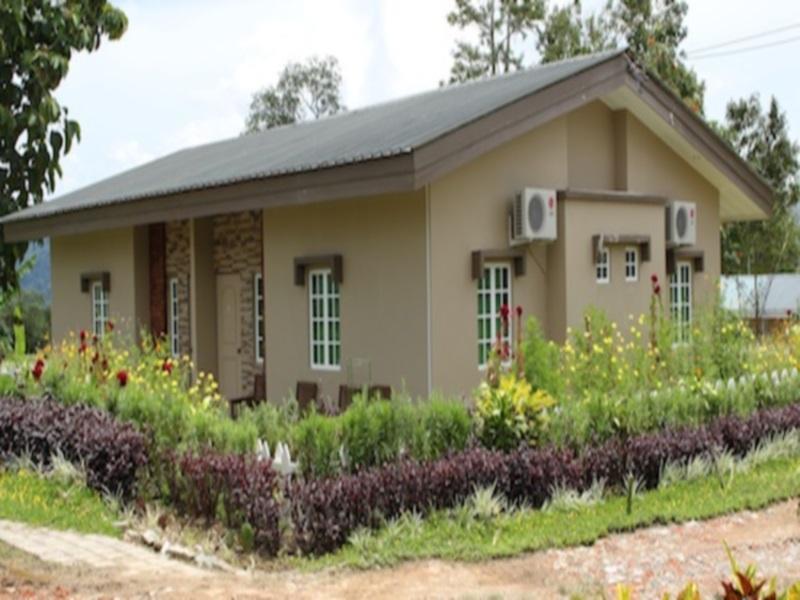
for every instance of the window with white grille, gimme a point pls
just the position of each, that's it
(631, 263)
(99, 309)
(602, 266)
(258, 317)
(680, 301)
(325, 325)
(174, 318)
(494, 291)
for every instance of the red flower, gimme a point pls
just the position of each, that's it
(519, 310)
(654, 278)
(504, 312)
(167, 366)
(82, 348)
(94, 340)
(95, 358)
(110, 326)
(38, 369)
(122, 378)
(83, 335)
(104, 365)
(656, 289)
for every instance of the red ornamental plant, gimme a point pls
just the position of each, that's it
(655, 310)
(122, 378)
(38, 369)
(167, 366)
(502, 351)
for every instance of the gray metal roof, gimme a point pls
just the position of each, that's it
(777, 293)
(383, 130)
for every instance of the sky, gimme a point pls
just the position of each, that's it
(184, 72)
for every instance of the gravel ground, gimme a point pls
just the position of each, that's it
(651, 560)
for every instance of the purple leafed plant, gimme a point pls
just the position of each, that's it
(326, 511)
(111, 452)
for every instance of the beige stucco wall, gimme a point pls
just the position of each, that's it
(619, 299)
(591, 148)
(203, 294)
(121, 252)
(468, 212)
(654, 168)
(383, 308)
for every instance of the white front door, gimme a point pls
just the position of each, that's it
(229, 335)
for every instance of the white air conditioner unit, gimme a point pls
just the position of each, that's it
(681, 223)
(533, 216)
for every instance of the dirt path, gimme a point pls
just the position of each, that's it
(652, 560)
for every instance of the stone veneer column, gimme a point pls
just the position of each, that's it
(237, 249)
(178, 267)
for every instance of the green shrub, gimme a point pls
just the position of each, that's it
(541, 359)
(315, 442)
(444, 426)
(377, 431)
(273, 422)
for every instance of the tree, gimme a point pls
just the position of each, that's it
(500, 25)
(29, 310)
(653, 31)
(565, 33)
(304, 91)
(763, 248)
(37, 40)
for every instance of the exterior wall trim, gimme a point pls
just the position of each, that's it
(333, 262)
(697, 257)
(602, 240)
(104, 277)
(610, 196)
(514, 255)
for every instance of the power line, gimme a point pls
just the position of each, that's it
(744, 39)
(747, 49)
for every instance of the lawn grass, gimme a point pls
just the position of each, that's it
(444, 534)
(28, 497)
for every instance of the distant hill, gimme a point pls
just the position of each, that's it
(38, 278)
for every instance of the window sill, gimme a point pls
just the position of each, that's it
(327, 369)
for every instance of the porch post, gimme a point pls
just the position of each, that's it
(203, 295)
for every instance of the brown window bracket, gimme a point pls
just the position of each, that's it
(697, 258)
(515, 255)
(331, 261)
(103, 277)
(600, 241)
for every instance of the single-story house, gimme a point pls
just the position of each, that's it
(767, 301)
(377, 246)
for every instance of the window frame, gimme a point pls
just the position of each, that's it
(259, 332)
(328, 292)
(634, 265)
(679, 307)
(99, 301)
(174, 318)
(599, 265)
(490, 317)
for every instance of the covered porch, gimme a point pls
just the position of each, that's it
(206, 296)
